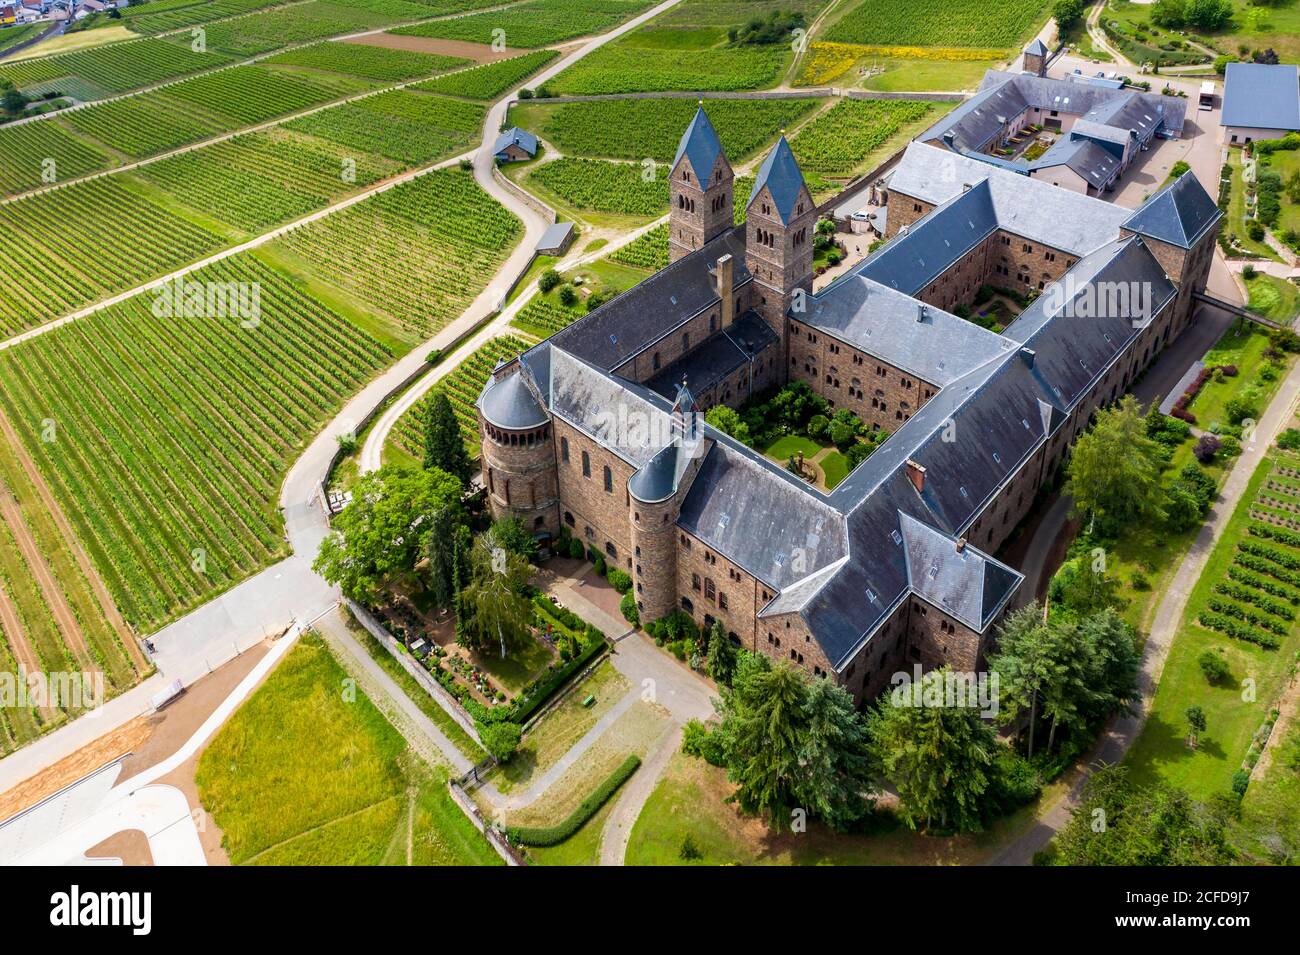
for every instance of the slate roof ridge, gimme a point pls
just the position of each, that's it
(781, 174)
(700, 143)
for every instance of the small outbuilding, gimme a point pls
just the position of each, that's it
(556, 239)
(515, 145)
(1260, 101)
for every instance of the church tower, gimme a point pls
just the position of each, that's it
(700, 189)
(780, 220)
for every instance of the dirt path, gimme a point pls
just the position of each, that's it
(55, 599)
(97, 585)
(24, 653)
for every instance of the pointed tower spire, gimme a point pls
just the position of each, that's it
(700, 186)
(781, 176)
(780, 219)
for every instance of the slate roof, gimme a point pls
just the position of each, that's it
(699, 144)
(555, 236)
(1178, 214)
(781, 175)
(618, 330)
(1037, 48)
(1261, 95)
(518, 137)
(1027, 207)
(1093, 163)
(510, 404)
(717, 357)
(966, 584)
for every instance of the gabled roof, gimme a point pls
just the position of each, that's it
(1262, 95)
(781, 175)
(514, 136)
(1178, 214)
(700, 145)
(964, 583)
(1093, 163)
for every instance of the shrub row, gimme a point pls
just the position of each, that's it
(1272, 533)
(1266, 566)
(1255, 598)
(1243, 576)
(1287, 560)
(1233, 628)
(543, 836)
(526, 706)
(1241, 613)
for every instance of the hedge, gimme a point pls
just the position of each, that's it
(524, 708)
(543, 836)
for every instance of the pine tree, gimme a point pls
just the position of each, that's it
(1024, 666)
(837, 758)
(722, 656)
(440, 575)
(766, 710)
(443, 446)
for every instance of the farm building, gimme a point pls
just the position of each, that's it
(1260, 101)
(514, 145)
(599, 429)
(1078, 134)
(556, 239)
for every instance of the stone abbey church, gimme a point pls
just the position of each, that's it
(597, 429)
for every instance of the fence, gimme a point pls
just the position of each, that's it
(422, 676)
(493, 836)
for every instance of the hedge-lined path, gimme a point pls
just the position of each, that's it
(632, 798)
(1122, 731)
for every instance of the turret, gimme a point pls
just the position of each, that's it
(780, 221)
(519, 463)
(700, 189)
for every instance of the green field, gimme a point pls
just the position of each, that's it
(652, 128)
(492, 80)
(172, 434)
(623, 67)
(841, 141)
(27, 149)
(533, 24)
(367, 62)
(332, 784)
(298, 23)
(452, 237)
(602, 186)
(1234, 603)
(115, 67)
(1273, 298)
(411, 127)
(161, 16)
(1241, 346)
(10, 37)
(943, 23)
(462, 388)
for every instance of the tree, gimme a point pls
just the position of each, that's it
(1207, 15)
(443, 446)
(836, 758)
(1083, 587)
(13, 101)
(939, 758)
(1024, 666)
(1196, 724)
(1114, 470)
(1066, 13)
(722, 656)
(1117, 823)
(387, 529)
(440, 574)
(765, 713)
(501, 740)
(1213, 667)
(548, 280)
(494, 608)
(510, 533)
(728, 421)
(1169, 14)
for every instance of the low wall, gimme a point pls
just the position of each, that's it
(523, 195)
(494, 838)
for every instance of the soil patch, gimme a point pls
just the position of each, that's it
(478, 52)
(129, 845)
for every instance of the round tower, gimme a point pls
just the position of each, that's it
(518, 451)
(654, 548)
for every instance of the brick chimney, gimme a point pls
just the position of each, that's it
(961, 544)
(916, 474)
(726, 288)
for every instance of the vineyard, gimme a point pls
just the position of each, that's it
(262, 179)
(414, 128)
(601, 186)
(652, 128)
(160, 16)
(462, 388)
(367, 62)
(450, 237)
(621, 68)
(85, 241)
(973, 23)
(303, 22)
(144, 125)
(542, 319)
(490, 81)
(173, 434)
(841, 139)
(26, 147)
(115, 67)
(532, 24)
(254, 94)
(650, 251)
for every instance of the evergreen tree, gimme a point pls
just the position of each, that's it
(722, 656)
(1024, 666)
(440, 575)
(939, 758)
(836, 757)
(443, 446)
(766, 712)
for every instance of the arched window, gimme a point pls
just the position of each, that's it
(564, 450)
(609, 479)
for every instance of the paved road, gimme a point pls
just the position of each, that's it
(1123, 731)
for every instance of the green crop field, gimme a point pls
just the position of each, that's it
(490, 81)
(840, 140)
(172, 434)
(368, 62)
(535, 23)
(161, 16)
(12, 36)
(652, 128)
(603, 186)
(407, 126)
(115, 67)
(462, 388)
(254, 94)
(315, 20)
(263, 179)
(88, 240)
(452, 238)
(334, 784)
(623, 68)
(542, 319)
(944, 23)
(27, 149)
(140, 126)
(650, 251)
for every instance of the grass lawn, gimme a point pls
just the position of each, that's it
(1270, 813)
(583, 848)
(1236, 221)
(782, 448)
(835, 468)
(1286, 163)
(1273, 297)
(905, 76)
(80, 40)
(518, 668)
(690, 800)
(552, 737)
(419, 696)
(1161, 752)
(308, 771)
(1242, 345)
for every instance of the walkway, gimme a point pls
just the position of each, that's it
(1122, 731)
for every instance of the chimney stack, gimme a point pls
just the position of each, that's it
(916, 474)
(726, 289)
(922, 312)
(961, 544)
(1027, 356)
